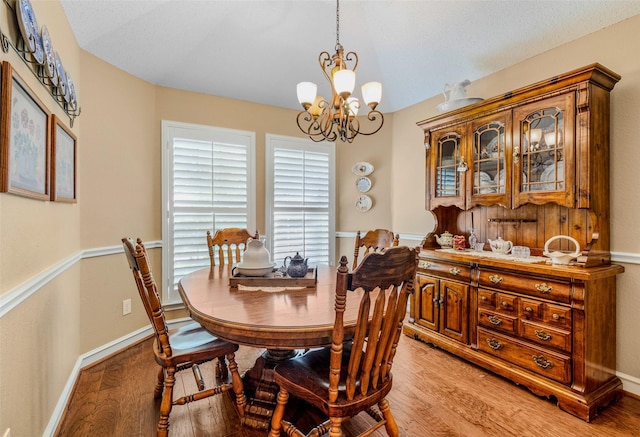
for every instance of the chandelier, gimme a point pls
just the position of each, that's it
(337, 118)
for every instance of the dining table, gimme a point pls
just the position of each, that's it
(284, 320)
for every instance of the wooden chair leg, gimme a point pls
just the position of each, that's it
(278, 413)
(238, 386)
(336, 427)
(390, 425)
(167, 402)
(221, 368)
(157, 391)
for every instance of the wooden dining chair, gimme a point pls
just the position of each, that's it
(353, 376)
(374, 241)
(228, 243)
(186, 348)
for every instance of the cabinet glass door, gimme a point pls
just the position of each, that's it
(448, 168)
(544, 152)
(490, 173)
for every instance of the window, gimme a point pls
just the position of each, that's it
(300, 198)
(208, 184)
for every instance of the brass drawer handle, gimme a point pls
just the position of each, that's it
(483, 298)
(494, 320)
(556, 317)
(454, 271)
(424, 264)
(544, 288)
(541, 361)
(495, 279)
(542, 335)
(529, 309)
(505, 304)
(494, 344)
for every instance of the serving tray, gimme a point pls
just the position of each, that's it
(274, 279)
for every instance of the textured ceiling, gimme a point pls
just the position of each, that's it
(259, 50)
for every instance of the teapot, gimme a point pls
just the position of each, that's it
(500, 245)
(255, 254)
(561, 258)
(297, 266)
(445, 240)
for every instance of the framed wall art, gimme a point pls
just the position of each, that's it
(64, 147)
(25, 139)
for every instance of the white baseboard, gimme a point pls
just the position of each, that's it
(630, 384)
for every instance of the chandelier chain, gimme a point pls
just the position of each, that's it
(337, 23)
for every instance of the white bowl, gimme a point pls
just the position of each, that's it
(254, 270)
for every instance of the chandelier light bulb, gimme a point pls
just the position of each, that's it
(344, 81)
(550, 139)
(372, 93)
(307, 93)
(536, 135)
(316, 109)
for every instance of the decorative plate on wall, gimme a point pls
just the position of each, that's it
(49, 57)
(29, 29)
(62, 78)
(364, 203)
(364, 184)
(71, 89)
(362, 169)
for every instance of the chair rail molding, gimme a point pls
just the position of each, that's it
(19, 294)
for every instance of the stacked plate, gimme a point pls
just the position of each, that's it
(253, 270)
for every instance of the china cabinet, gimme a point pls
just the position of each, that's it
(525, 167)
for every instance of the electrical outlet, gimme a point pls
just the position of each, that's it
(7, 433)
(126, 307)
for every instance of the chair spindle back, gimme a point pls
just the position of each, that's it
(228, 244)
(386, 281)
(140, 267)
(374, 241)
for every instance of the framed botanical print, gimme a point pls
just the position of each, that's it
(25, 139)
(64, 147)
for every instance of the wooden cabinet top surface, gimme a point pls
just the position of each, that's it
(538, 269)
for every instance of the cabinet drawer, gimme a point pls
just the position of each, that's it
(546, 335)
(556, 316)
(542, 361)
(441, 269)
(486, 298)
(500, 302)
(538, 287)
(497, 321)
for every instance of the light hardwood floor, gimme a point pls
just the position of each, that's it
(434, 394)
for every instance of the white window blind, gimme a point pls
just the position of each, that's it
(300, 199)
(207, 185)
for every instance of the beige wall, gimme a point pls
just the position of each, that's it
(40, 338)
(119, 191)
